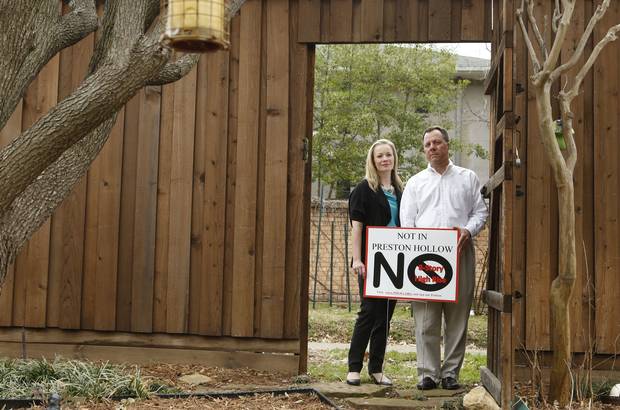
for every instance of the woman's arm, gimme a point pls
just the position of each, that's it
(356, 236)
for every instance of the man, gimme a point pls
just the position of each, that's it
(444, 196)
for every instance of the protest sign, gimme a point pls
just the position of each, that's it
(412, 264)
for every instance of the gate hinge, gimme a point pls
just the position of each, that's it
(498, 301)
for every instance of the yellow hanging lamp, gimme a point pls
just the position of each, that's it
(196, 26)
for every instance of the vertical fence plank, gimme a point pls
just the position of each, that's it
(298, 92)
(357, 21)
(389, 20)
(586, 146)
(145, 213)
(101, 236)
(246, 165)
(488, 16)
(372, 20)
(472, 21)
(33, 260)
(214, 204)
(456, 20)
(439, 13)
(309, 20)
(89, 285)
(62, 216)
(180, 212)
(128, 213)
(231, 171)
(276, 147)
(418, 11)
(163, 209)
(108, 214)
(325, 21)
(67, 245)
(341, 20)
(197, 271)
(12, 129)
(403, 20)
(607, 191)
(260, 165)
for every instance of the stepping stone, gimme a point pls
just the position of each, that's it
(195, 379)
(379, 403)
(343, 390)
(415, 393)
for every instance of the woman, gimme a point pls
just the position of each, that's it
(374, 202)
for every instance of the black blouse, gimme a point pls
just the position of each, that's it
(370, 208)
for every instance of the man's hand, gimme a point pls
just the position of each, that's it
(359, 268)
(464, 237)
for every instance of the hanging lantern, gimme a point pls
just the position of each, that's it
(196, 25)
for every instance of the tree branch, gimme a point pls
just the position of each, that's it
(528, 42)
(583, 41)
(39, 200)
(535, 29)
(153, 9)
(608, 38)
(40, 36)
(552, 59)
(77, 24)
(102, 94)
(232, 8)
(175, 70)
(557, 15)
(569, 134)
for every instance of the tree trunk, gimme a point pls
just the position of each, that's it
(562, 285)
(561, 290)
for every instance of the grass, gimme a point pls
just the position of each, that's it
(21, 379)
(331, 366)
(335, 324)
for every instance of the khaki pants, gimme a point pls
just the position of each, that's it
(428, 322)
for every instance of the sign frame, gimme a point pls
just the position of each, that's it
(403, 298)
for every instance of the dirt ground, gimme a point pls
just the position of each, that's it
(220, 380)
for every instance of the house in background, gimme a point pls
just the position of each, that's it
(471, 117)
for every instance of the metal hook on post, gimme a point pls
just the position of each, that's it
(517, 158)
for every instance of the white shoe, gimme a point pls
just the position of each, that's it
(354, 379)
(380, 378)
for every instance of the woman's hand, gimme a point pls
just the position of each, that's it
(359, 268)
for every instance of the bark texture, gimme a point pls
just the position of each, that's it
(39, 168)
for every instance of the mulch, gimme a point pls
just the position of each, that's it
(221, 380)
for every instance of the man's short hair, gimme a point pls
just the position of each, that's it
(443, 131)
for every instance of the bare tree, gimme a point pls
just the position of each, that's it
(547, 70)
(39, 168)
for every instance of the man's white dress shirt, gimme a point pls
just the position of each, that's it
(433, 200)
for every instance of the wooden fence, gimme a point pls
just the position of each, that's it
(595, 305)
(190, 234)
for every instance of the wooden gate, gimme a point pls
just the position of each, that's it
(187, 241)
(497, 375)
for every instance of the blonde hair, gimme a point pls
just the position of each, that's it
(371, 170)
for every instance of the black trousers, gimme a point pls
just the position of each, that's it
(372, 324)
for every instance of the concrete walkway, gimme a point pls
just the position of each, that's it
(401, 348)
(371, 396)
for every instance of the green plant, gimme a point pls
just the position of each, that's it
(69, 378)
